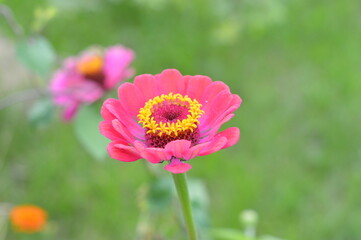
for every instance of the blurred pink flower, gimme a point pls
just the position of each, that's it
(86, 78)
(169, 117)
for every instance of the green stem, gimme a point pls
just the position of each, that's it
(180, 181)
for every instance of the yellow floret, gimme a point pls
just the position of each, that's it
(174, 128)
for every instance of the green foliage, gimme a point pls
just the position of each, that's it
(41, 113)
(228, 234)
(160, 194)
(200, 205)
(232, 234)
(258, 15)
(297, 162)
(249, 219)
(87, 130)
(267, 237)
(37, 54)
(42, 17)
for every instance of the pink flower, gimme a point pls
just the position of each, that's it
(169, 117)
(86, 78)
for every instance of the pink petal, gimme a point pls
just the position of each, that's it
(210, 132)
(153, 155)
(213, 146)
(216, 108)
(106, 128)
(113, 109)
(122, 152)
(129, 121)
(86, 91)
(232, 107)
(224, 96)
(176, 166)
(116, 65)
(70, 111)
(222, 140)
(125, 132)
(131, 98)
(170, 80)
(70, 86)
(195, 86)
(106, 110)
(213, 90)
(146, 83)
(211, 124)
(66, 77)
(231, 134)
(178, 148)
(194, 151)
(58, 82)
(58, 87)
(70, 63)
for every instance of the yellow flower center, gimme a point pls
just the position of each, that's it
(171, 114)
(90, 65)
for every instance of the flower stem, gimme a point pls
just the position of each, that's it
(180, 181)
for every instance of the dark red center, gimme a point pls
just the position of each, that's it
(154, 140)
(98, 78)
(168, 113)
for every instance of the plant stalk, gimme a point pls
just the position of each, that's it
(180, 181)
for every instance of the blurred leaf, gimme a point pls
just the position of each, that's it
(227, 31)
(160, 194)
(41, 113)
(268, 237)
(260, 14)
(228, 234)
(87, 130)
(200, 200)
(37, 54)
(42, 16)
(152, 4)
(76, 6)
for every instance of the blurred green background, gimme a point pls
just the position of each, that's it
(297, 66)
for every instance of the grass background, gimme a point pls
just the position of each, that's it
(297, 66)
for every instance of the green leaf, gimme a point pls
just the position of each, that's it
(268, 237)
(87, 131)
(198, 193)
(200, 201)
(37, 54)
(160, 194)
(259, 14)
(228, 234)
(41, 113)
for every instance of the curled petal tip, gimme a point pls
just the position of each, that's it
(176, 166)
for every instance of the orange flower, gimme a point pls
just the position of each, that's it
(28, 218)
